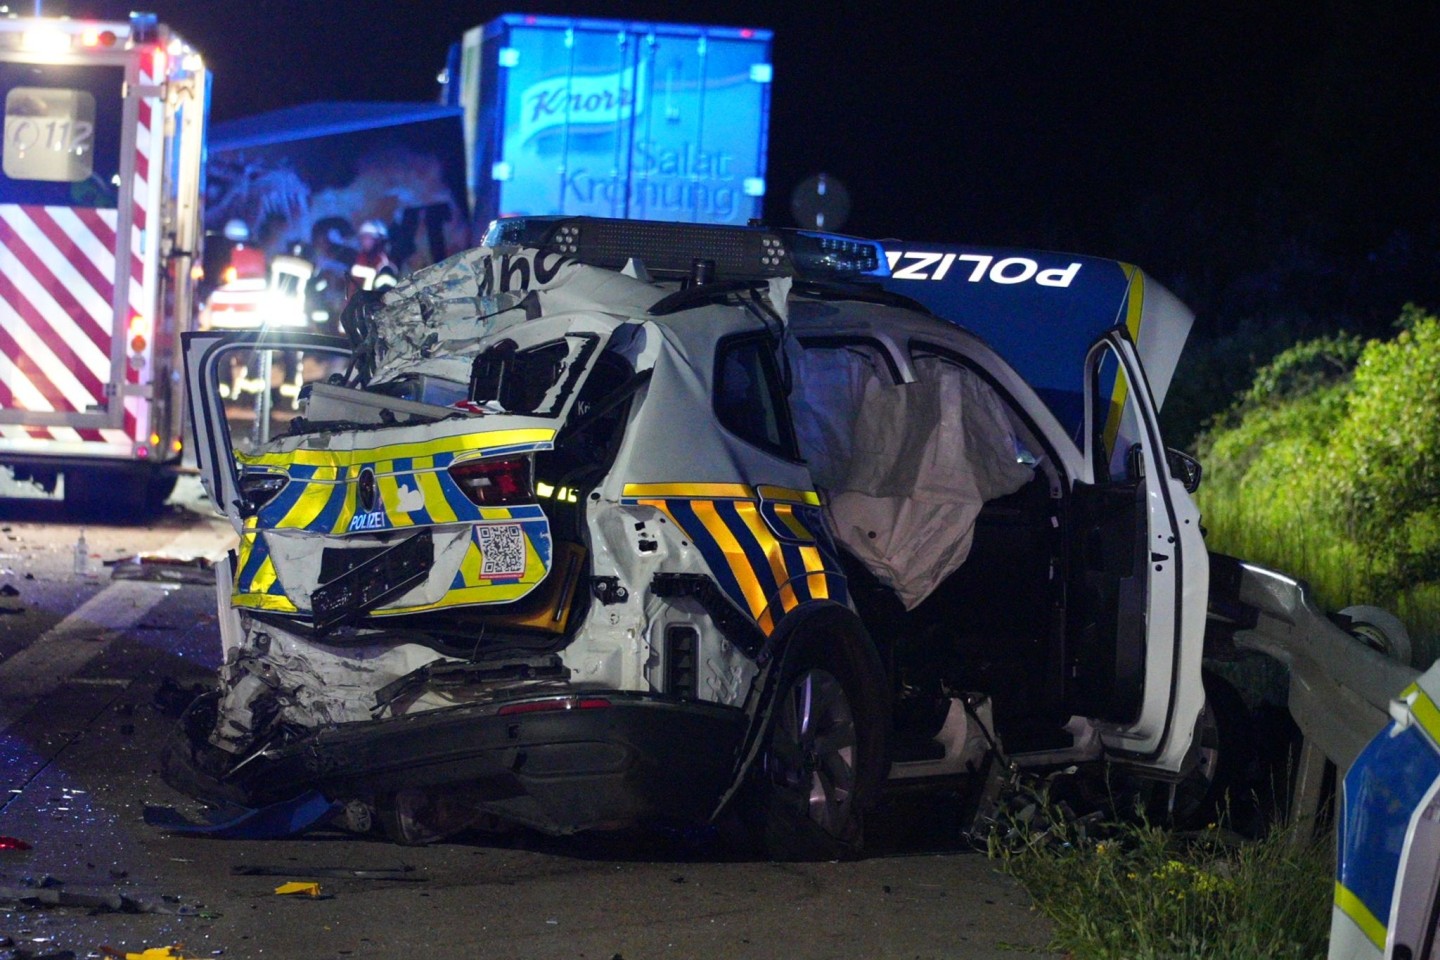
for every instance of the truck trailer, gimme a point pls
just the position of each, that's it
(100, 198)
(608, 118)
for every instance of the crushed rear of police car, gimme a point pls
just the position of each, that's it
(609, 523)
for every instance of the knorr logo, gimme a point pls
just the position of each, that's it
(601, 99)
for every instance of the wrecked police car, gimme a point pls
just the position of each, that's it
(610, 522)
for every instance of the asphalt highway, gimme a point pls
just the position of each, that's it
(83, 656)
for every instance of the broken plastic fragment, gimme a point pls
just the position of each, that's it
(157, 953)
(244, 823)
(299, 887)
(13, 843)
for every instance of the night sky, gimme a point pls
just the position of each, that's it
(1190, 138)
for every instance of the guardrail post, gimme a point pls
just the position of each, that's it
(1305, 801)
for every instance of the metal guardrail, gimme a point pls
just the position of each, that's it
(1340, 688)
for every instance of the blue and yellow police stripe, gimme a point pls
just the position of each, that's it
(767, 548)
(1382, 790)
(321, 497)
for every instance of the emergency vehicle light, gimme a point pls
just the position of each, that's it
(671, 250)
(45, 40)
(667, 249)
(828, 253)
(97, 38)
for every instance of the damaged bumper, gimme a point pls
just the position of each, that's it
(591, 760)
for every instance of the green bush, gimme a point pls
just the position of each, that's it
(1328, 468)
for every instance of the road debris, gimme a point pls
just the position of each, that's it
(162, 569)
(149, 953)
(298, 887)
(100, 901)
(235, 822)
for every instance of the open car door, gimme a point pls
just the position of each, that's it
(243, 390)
(1138, 575)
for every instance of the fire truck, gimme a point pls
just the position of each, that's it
(100, 224)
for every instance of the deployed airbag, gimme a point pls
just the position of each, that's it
(907, 466)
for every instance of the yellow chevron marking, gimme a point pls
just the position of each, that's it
(786, 514)
(750, 516)
(310, 504)
(388, 488)
(734, 555)
(814, 562)
(264, 578)
(435, 502)
(819, 585)
(788, 600)
(766, 622)
(786, 495)
(243, 551)
(263, 601)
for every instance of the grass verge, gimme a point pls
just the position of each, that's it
(1146, 893)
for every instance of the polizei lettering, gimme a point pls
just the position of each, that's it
(976, 268)
(374, 520)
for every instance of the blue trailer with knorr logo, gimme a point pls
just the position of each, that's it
(606, 118)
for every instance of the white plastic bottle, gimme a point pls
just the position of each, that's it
(82, 555)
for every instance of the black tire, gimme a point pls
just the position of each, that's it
(822, 755)
(117, 494)
(190, 763)
(1380, 630)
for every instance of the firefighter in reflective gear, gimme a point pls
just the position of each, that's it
(373, 267)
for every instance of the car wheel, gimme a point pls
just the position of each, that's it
(1380, 630)
(414, 817)
(188, 761)
(817, 765)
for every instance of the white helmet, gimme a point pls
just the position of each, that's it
(237, 231)
(373, 228)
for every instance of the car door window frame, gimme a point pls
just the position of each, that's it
(787, 447)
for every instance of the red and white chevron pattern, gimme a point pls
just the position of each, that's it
(57, 295)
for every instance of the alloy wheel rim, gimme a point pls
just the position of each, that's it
(812, 751)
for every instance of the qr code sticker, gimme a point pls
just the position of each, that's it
(502, 545)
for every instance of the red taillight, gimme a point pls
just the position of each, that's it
(547, 706)
(494, 483)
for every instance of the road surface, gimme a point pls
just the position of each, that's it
(81, 660)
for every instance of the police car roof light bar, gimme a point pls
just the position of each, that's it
(669, 250)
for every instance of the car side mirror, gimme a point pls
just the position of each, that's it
(1184, 468)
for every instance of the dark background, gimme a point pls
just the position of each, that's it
(1254, 156)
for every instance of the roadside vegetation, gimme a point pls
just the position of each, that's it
(1328, 468)
(1325, 466)
(1145, 893)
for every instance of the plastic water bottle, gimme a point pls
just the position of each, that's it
(82, 555)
